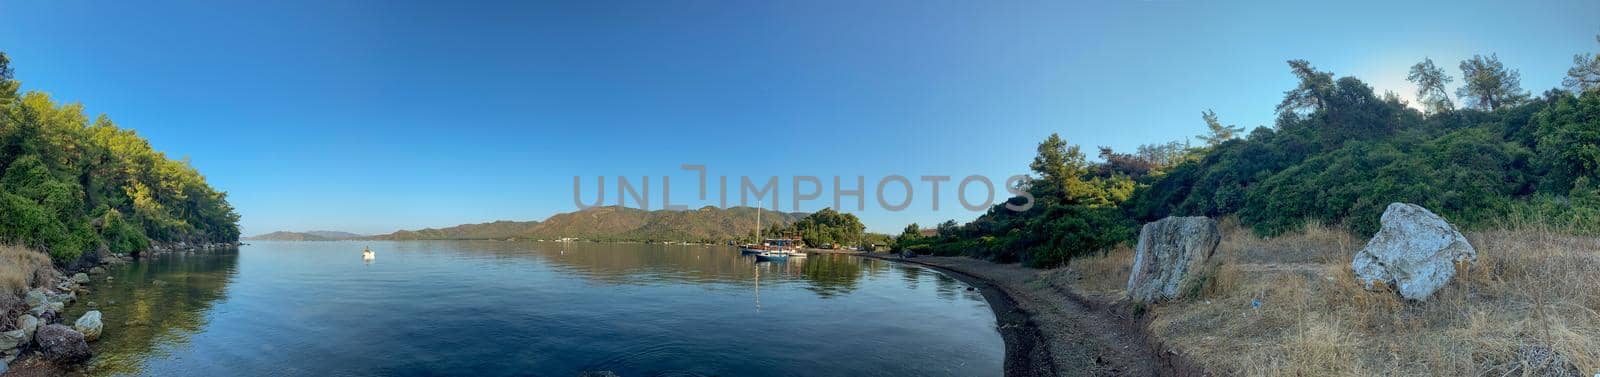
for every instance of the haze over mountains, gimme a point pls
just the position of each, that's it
(611, 223)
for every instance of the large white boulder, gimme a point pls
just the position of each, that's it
(1172, 255)
(90, 325)
(1415, 252)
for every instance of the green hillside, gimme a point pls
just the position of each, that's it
(613, 223)
(1338, 154)
(71, 184)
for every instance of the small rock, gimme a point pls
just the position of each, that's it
(12, 339)
(80, 278)
(89, 324)
(158, 283)
(97, 270)
(61, 345)
(63, 297)
(28, 324)
(92, 304)
(36, 298)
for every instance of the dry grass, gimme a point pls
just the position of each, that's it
(22, 268)
(1529, 306)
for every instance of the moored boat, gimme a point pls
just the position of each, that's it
(772, 256)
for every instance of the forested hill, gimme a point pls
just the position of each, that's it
(1493, 155)
(71, 184)
(708, 224)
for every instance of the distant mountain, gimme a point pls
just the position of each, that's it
(485, 231)
(315, 235)
(707, 224)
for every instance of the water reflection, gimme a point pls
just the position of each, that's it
(513, 308)
(155, 301)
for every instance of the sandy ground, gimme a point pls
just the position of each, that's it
(1051, 331)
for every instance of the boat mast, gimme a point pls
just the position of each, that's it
(758, 223)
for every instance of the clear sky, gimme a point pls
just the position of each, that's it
(380, 115)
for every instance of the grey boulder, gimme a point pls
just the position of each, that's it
(1172, 255)
(61, 345)
(90, 325)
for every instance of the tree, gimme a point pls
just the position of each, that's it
(1060, 167)
(1584, 75)
(1130, 165)
(69, 185)
(1568, 143)
(1488, 84)
(1165, 154)
(911, 234)
(949, 228)
(828, 227)
(8, 86)
(1431, 81)
(1219, 132)
(1312, 93)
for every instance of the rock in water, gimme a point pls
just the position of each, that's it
(80, 278)
(1415, 251)
(61, 345)
(89, 324)
(1172, 255)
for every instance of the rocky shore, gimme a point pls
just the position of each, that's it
(41, 341)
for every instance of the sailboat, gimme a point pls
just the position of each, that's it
(772, 249)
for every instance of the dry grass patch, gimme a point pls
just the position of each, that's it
(22, 268)
(1530, 306)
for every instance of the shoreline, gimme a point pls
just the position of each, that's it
(1025, 353)
(29, 361)
(1050, 330)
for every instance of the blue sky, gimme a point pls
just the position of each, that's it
(382, 115)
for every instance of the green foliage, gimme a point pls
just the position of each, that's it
(828, 227)
(1568, 139)
(911, 236)
(69, 186)
(1489, 85)
(1431, 81)
(1338, 154)
(1584, 76)
(1076, 214)
(1343, 162)
(1218, 132)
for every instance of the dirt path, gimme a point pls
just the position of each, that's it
(1051, 331)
